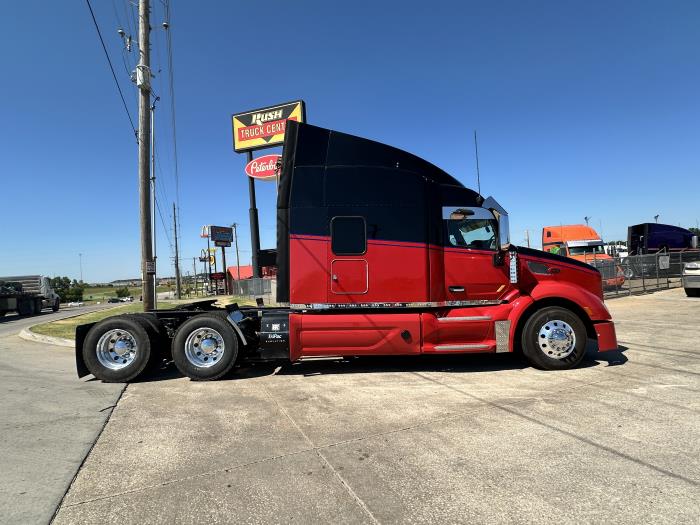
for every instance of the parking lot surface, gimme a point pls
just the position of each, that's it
(457, 439)
(48, 420)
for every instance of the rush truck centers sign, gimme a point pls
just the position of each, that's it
(263, 128)
(263, 168)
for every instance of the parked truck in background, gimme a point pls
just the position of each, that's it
(379, 252)
(581, 242)
(650, 237)
(27, 295)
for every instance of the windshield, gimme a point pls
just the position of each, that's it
(470, 228)
(586, 250)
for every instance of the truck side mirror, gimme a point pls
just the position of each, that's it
(503, 232)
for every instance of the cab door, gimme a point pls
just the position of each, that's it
(470, 244)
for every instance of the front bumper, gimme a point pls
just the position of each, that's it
(691, 281)
(605, 332)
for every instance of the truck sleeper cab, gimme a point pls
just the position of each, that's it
(379, 253)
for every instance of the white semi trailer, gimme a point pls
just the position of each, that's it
(27, 295)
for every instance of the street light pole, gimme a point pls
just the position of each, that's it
(81, 266)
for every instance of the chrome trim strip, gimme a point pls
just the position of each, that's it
(461, 347)
(426, 304)
(470, 318)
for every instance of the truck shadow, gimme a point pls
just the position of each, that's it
(469, 363)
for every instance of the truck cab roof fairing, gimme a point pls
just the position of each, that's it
(315, 158)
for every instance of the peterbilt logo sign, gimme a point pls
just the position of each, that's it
(264, 168)
(265, 127)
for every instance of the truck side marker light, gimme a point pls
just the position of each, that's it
(500, 288)
(588, 310)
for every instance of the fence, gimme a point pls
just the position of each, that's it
(638, 274)
(254, 288)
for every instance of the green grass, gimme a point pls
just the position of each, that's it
(65, 328)
(102, 293)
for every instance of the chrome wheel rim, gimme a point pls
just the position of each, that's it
(204, 347)
(116, 349)
(556, 339)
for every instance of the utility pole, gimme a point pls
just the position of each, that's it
(80, 255)
(143, 82)
(194, 272)
(178, 290)
(527, 237)
(153, 194)
(235, 238)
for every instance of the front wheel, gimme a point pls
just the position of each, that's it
(56, 305)
(692, 292)
(205, 347)
(554, 338)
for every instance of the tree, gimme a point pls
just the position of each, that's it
(123, 291)
(696, 231)
(68, 290)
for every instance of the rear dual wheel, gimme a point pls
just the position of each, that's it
(554, 338)
(205, 347)
(118, 349)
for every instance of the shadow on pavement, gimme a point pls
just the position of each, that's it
(463, 363)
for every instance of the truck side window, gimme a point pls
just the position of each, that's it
(473, 228)
(348, 235)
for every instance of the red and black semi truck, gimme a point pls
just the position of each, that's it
(379, 252)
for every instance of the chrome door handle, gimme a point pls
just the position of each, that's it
(456, 288)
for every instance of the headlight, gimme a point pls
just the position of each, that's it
(692, 266)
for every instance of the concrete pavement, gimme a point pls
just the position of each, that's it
(456, 439)
(48, 420)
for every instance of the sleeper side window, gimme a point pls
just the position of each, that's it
(473, 228)
(348, 235)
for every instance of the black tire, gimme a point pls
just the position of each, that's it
(25, 307)
(692, 292)
(160, 341)
(544, 320)
(38, 306)
(56, 305)
(226, 360)
(137, 329)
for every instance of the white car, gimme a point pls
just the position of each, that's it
(76, 303)
(691, 279)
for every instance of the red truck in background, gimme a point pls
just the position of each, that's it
(379, 252)
(582, 243)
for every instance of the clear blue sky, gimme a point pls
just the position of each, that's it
(582, 108)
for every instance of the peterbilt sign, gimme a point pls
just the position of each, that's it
(264, 127)
(264, 168)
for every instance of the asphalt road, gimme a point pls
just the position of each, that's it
(468, 439)
(12, 324)
(49, 419)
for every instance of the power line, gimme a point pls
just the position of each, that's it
(109, 61)
(172, 100)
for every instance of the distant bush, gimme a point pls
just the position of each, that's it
(123, 291)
